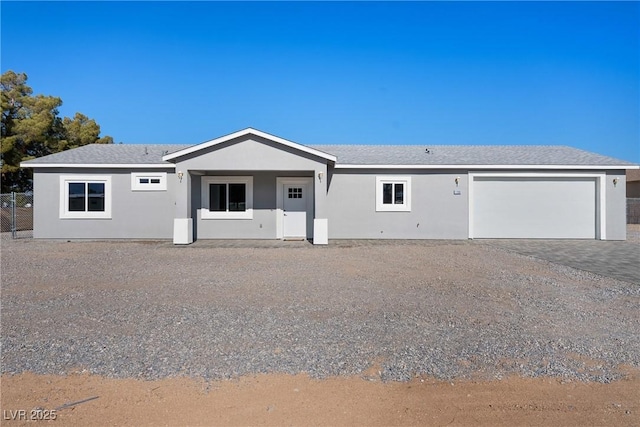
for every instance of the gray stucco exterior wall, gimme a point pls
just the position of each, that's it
(616, 206)
(135, 214)
(436, 212)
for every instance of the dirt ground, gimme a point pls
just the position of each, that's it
(300, 400)
(80, 399)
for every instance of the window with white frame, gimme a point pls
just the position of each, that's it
(393, 193)
(85, 196)
(227, 197)
(148, 181)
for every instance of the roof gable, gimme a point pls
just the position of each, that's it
(244, 133)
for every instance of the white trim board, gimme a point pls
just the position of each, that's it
(492, 167)
(337, 166)
(100, 165)
(600, 178)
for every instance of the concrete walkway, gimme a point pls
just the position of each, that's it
(619, 260)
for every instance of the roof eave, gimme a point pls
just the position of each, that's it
(99, 165)
(471, 166)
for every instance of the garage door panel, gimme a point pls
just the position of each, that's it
(508, 207)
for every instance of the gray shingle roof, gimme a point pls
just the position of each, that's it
(406, 155)
(467, 155)
(106, 154)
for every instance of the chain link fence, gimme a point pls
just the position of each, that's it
(17, 215)
(633, 211)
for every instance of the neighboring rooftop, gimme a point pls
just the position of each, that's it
(362, 155)
(633, 175)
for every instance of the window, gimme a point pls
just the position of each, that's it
(295, 193)
(85, 196)
(227, 197)
(149, 181)
(218, 197)
(393, 193)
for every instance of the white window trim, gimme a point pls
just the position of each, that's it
(399, 179)
(205, 213)
(65, 180)
(137, 186)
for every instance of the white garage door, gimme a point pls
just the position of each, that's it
(532, 207)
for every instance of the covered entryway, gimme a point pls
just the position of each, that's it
(542, 206)
(225, 189)
(295, 208)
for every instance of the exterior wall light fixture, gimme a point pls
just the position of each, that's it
(615, 182)
(320, 175)
(180, 175)
(457, 180)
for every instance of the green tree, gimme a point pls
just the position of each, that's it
(81, 130)
(31, 127)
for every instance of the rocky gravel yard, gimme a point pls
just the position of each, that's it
(391, 311)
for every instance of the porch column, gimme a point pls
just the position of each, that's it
(182, 222)
(320, 220)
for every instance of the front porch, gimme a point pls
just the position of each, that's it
(254, 205)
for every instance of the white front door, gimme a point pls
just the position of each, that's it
(295, 211)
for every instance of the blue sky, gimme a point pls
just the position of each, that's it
(340, 72)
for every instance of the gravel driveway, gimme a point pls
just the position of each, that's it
(390, 311)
